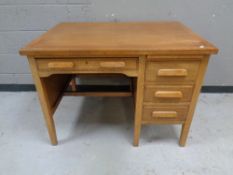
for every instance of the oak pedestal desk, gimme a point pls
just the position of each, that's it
(166, 61)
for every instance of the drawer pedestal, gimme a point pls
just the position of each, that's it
(171, 88)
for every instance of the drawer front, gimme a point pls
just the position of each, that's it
(171, 71)
(56, 64)
(88, 64)
(167, 94)
(165, 113)
(106, 64)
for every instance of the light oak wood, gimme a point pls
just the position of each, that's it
(55, 86)
(116, 64)
(73, 84)
(60, 65)
(44, 100)
(169, 57)
(112, 64)
(139, 101)
(100, 94)
(172, 72)
(165, 60)
(164, 114)
(168, 94)
(199, 80)
(121, 38)
(163, 122)
(127, 66)
(158, 112)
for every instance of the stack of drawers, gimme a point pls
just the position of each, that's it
(168, 90)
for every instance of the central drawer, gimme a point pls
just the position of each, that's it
(88, 65)
(168, 94)
(171, 72)
(107, 64)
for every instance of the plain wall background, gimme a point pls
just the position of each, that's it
(23, 20)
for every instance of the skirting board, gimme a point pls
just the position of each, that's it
(31, 87)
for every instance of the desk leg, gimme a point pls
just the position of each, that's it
(73, 84)
(187, 124)
(139, 101)
(50, 91)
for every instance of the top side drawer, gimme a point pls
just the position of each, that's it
(171, 71)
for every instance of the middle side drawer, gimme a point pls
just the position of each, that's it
(168, 94)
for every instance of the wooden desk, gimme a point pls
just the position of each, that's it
(166, 60)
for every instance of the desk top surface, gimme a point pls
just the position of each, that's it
(126, 38)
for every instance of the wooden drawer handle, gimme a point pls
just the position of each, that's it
(172, 72)
(55, 65)
(164, 114)
(168, 94)
(112, 64)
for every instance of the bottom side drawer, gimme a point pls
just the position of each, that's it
(165, 113)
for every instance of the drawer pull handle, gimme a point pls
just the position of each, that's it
(172, 72)
(168, 94)
(56, 65)
(112, 64)
(164, 114)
